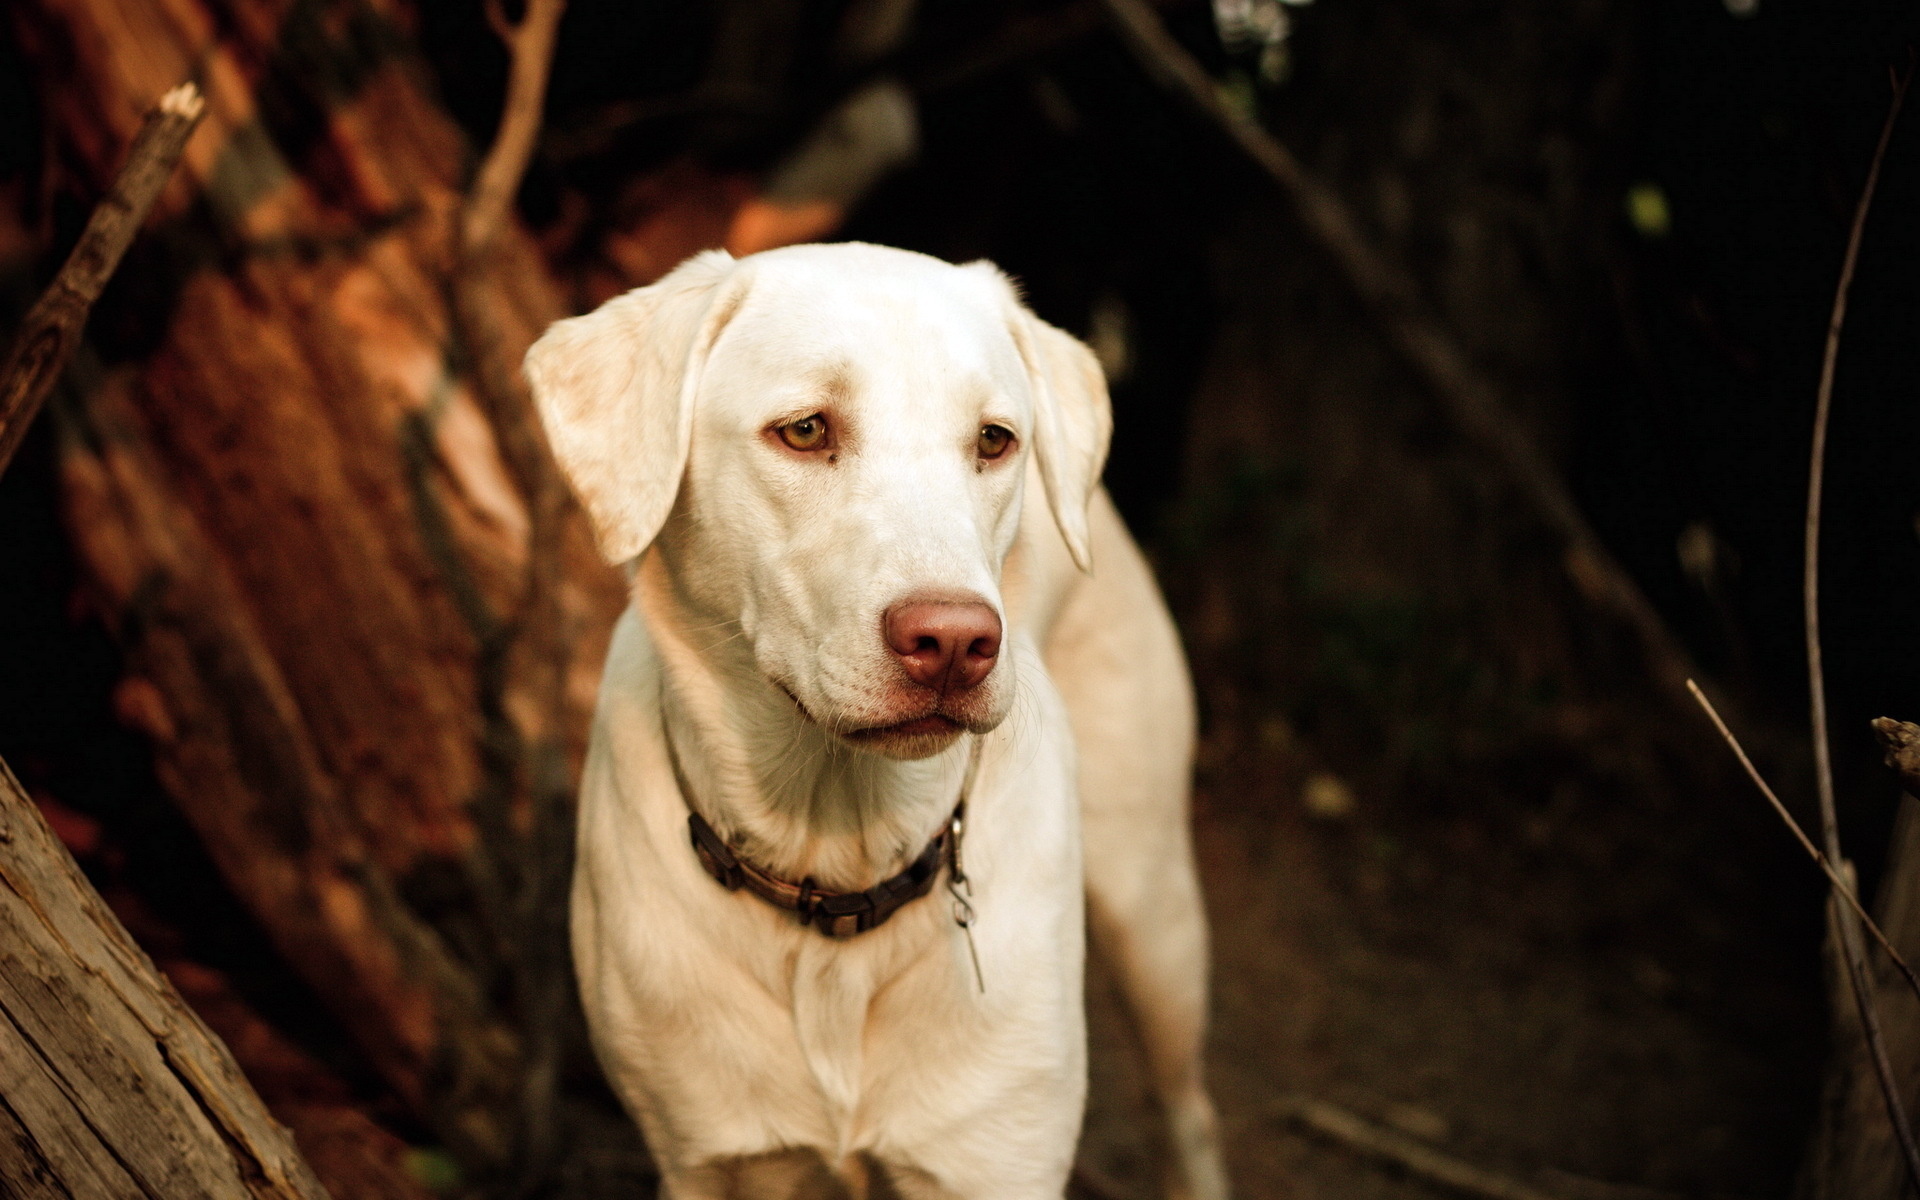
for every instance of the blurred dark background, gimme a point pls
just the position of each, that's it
(1472, 871)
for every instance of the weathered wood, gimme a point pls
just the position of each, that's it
(305, 524)
(46, 338)
(1900, 746)
(109, 1085)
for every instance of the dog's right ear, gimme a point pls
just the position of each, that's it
(615, 391)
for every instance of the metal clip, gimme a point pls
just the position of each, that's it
(961, 889)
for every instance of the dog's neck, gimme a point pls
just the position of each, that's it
(790, 797)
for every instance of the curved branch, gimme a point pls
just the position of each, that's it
(534, 768)
(1847, 919)
(530, 44)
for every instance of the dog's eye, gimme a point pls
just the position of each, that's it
(994, 440)
(808, 433)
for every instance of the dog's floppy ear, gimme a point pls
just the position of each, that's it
(615, 391)
(1073, 417)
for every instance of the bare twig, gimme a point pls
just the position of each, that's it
(495, 371)
(1840, 884)
(52, 327)
(1416, 1158)
(1474, 401)
(1816, 674)
(531, 46)
(530, 763)
(1817, 471)
(483, 214)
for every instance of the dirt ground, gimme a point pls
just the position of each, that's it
(1584, 1075)
(1469, 876)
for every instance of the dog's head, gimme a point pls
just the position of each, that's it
(828, 445)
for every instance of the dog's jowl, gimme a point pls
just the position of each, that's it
(895, 717)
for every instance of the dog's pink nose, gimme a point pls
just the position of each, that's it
(946, 644)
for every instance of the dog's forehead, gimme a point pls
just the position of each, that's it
(872, 316)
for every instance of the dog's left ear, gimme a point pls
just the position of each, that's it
(1073, 417)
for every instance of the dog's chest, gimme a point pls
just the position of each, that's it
(832, 991)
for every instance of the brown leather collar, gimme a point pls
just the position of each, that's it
(835, 914)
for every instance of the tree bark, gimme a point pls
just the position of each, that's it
(109, 1085)
(298, 518)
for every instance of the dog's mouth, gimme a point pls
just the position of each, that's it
(930, 726)
(917, 738)
(914, 737)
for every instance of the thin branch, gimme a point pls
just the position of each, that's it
(1834, 877)
(531, 46)
(483, 215)
(1817, 471)
(52, 327)
(1416, 1158)
(1474, 401)
(496, 376)
(533, 764)
(1816, 673)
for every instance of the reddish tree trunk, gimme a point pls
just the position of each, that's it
(297, 515)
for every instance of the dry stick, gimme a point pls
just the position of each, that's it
(1391, 296)
(1817, 470)
(1816, 673)
(52, 327)
(530, 43)
(483, 215)
(1839, 882)
(1332, 1121)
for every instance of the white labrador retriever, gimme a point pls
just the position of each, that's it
(834, 831)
